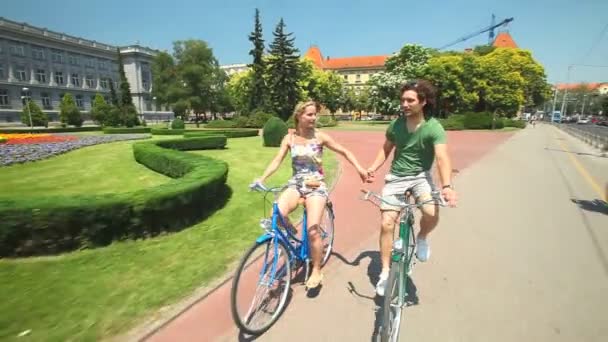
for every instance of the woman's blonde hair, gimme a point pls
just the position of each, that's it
(300, 108)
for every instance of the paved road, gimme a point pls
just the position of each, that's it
(523, 258)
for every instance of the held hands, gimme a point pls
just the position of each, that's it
(366, 176)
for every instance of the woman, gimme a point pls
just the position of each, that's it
(306, 147)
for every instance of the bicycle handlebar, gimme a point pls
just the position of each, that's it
(435, 197)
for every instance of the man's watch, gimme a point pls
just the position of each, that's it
(448, 186)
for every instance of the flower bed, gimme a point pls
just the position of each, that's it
(42, 146)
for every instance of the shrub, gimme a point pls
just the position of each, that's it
(68, 111)
(453, 122)
(274, 131)
(258, 119)
(39, 118)
(241, 121)
(221, 124)
(52, 224)
(326, 121)
(178, 123)
(165, 131)
(481, 120)
(514, 123)
(235, 133)
(128, 130)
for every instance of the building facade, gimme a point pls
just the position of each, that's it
(355, 71)
(44, 65)
(231, 69)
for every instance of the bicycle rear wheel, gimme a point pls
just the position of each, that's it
(327, 231)
(260, 286)
(393, 304)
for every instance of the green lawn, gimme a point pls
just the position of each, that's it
(101, 168)
(91, 294)
(360, 126)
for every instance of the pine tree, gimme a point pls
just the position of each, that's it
(125, 89)
(258, 93)
(68, 111)
(113, 95)
(283, 72)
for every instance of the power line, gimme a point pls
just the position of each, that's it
(596, 43)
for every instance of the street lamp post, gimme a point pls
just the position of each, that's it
(155, 105)
(27, 103)
(566, 91)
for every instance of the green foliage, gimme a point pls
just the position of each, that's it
(325, 87)
(128, 130)
(125, 89)
(99, 110)
(283, 72)
(129, 116)
(52, 224)
(163, 74)
(274, 131)
(68, 111)
(39, 118)
(258, 119)
(221, 124)
(325, 121)
(257, 96)
(177, 123)
(481, 120)
(228, 133)
(164, 131)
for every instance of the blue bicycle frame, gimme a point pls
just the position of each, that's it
(299, 252)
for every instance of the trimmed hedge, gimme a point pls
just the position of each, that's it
(165, 131)
(274, 131)
(51, 130)
(2, 140)
(53, 224)
(234, 133)
(125, 130)
(481, 120)
(221, 124)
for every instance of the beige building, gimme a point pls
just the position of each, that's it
(355, 71)
(43, 65)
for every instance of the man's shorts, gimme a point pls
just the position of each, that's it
(395, 188)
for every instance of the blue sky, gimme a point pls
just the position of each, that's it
(558, 32)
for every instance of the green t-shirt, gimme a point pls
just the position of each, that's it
(414, 152)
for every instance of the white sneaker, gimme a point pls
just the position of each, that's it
(423, 250)
(381, 285)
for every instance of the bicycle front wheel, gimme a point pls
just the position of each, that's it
(327, 231)
(393, 303)
(260, 286)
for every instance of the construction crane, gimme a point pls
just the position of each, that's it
(489, 28)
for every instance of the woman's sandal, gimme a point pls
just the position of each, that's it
(315, 282)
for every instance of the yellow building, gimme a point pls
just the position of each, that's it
(355, 71)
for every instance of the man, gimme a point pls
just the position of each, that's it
(417, 143)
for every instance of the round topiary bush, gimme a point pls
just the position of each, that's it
(274, 131)
(178, 124)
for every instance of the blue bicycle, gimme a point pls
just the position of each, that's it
(261, 284)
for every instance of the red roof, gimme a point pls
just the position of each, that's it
(570, 86)
(314, 53)
(504, 40)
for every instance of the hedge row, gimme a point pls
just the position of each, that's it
(51, 130)
(53, 224)
(165, 131)
(125, 130)
(234, 133)
(482, 120)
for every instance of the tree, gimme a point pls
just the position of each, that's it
(39, 118)
(113, 96)
(482, 50)
(68, 111)
(197, 73)
(258, 91)
(384, 92)
(163, 75)
(125, 88)
(324, 87)
(99, 111)
(409, 62)
(238, 88)
(283, 72)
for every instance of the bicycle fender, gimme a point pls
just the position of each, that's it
(264, 238)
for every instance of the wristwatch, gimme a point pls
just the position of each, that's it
(448, 186)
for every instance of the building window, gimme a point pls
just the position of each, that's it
(38, 53)
(21, 76)
(346, 77)
(59, 77)
(74, 60)
(4, 100)
(92, 100)
(46, 101)
(89, 63)
(103, 83)
(145, 83)
(41, 75)
(79, 101)
(102, 64)
(75, 80)
(90, 81)
(18, 50)
(57, 57)
(1, 71)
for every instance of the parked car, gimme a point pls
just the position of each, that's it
(583, 121)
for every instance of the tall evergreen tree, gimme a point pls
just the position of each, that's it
(283, 72)
(113, 95)
(258, 93)
(125, 89)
